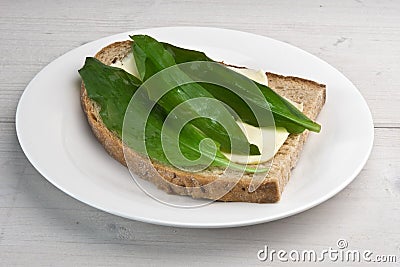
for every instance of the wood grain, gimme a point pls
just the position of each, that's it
(360, 39)
(42, 226)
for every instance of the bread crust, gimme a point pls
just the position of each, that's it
(174, 181)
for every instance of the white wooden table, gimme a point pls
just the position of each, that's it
(42, 226)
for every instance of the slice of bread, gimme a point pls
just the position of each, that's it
(310, 93)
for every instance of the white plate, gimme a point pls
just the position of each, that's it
(55, 136)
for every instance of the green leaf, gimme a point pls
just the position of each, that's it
(112, 89)
(182, 55)
(101, 82)
(285, 114)
(140, 61)
(158, 59)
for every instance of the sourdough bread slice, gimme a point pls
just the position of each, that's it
(175, 181)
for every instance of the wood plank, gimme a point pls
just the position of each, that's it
(39, 223)
(354, 37)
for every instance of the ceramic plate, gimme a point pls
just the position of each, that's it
(54, 134)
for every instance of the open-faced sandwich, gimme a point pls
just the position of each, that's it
(113, 76)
